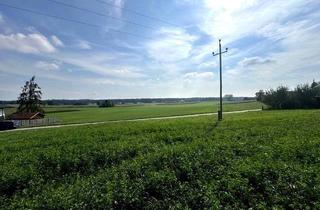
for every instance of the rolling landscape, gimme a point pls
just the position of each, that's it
(118, 104)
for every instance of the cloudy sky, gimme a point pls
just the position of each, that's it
(151, 48)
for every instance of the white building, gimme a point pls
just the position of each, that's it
(2, 114)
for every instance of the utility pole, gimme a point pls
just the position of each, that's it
(220, 59)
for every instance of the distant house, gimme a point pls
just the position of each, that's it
(2, 114)
(27, 116)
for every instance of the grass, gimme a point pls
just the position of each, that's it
(82, 114)
(94, 114)
(263, 160)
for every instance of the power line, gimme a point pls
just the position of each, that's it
(71, 20)
(137, 13)
(101, 45)
(101, 14)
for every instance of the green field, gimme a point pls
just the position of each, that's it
(78, 114)
(81, 114)
(261, 160)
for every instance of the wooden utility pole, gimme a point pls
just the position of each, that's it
(220, 59)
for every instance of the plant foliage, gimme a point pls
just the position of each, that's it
(263, 160)
(106, 104)
(303, 96)
(30, 97)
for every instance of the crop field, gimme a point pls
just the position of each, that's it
(261, 160)
(82, 114)
(78, 114)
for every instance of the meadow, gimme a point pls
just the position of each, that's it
(260, 160)
(80, 114)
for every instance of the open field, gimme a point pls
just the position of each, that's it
(259, 160)
(81, 114)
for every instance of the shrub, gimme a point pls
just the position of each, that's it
(303, 96)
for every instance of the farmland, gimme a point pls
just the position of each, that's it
(80, 114)
(253, 160)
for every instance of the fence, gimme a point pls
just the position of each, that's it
(35, 123)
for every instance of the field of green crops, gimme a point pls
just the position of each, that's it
(261, 160)
(81, 114)
(93, 114)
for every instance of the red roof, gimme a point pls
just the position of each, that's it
(26, 116)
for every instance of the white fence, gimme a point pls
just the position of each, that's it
(35, 123)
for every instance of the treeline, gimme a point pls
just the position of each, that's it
(302, 97)
(86, 102)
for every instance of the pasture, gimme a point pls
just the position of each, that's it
(261, 160)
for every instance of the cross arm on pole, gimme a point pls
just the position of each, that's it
(215, 54)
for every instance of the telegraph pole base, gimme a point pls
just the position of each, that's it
(219, 115)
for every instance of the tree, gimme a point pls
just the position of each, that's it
(314, 84)
(260, 95)
(30, 97)
(106, 103)
(228, 97)
(303, 96)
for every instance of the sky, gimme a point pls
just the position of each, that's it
(156, 49)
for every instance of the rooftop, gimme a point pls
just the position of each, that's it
(27, 116)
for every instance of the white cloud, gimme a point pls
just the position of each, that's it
(56, 41)
(174, 45)
(289, 65)
(84, 45)
(233, 20)
(209, 64)
(254, 61)
(117, 10)
(43, 65)
(99, 63)
(1, 18)
(198, 75)
(30, 43)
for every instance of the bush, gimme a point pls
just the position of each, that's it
(303, 96)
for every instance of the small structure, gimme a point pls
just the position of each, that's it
(33, 119)
(27, 116)
(2, 114)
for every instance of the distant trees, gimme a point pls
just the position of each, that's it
(228, 97)
(30, 97)
(106, 103)
(303, 96)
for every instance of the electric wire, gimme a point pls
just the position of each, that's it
(137, 13)
(101, 14)
(72, 20)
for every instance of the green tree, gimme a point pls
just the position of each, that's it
(228, 97)
(314, 84)
(260, 95)
(30, 97)
(106, 103)
(303, 96)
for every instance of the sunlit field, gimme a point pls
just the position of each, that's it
(79, 114)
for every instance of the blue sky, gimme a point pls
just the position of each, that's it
(271, 43)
